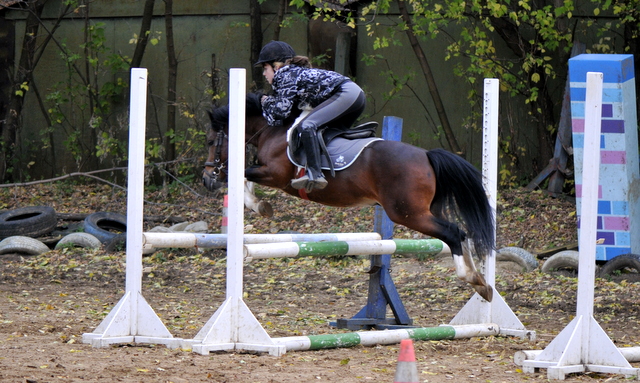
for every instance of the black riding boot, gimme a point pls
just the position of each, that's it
(313, 178)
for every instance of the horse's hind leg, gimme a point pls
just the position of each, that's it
(450, 234)
(466, 270)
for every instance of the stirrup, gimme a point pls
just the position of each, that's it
(305, 182)
(300, 183)
(318, 183)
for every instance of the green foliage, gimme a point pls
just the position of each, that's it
(470, 25)
(320, 59)
(626, 16)
(84, 104)
(24, 87)
(87, 108)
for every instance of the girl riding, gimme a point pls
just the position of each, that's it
(336, 101)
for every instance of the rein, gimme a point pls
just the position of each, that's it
(256, 134)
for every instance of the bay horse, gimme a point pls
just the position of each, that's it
(424, 190)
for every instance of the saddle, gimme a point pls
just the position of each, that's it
(339, 148)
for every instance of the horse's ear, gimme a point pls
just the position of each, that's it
(213, 125)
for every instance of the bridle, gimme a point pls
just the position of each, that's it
(217, 165)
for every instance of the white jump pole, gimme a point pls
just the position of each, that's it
(233, 326)
(132, 319)
(219, 241)
(478, 310)
(583, 345)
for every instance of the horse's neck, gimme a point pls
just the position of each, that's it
(258, 130)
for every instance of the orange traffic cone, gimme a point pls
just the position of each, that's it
(407, 370)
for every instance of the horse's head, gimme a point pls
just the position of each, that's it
(215, 168)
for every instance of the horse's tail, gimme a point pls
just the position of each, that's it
(459, 192)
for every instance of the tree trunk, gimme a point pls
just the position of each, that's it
(92, 86)
(22, 78)
(143, 38)
(170, 145)
(255, 14)
(542, 110)
(431, 82)
(282, 7)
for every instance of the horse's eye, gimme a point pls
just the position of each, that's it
(210, 143)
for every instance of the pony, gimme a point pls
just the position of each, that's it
(425, 190)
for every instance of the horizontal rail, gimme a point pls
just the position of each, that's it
(372, 338)
(388, 246)
(219, 241)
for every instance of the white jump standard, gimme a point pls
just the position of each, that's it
(132, 319)
(583, 346)
(478, 310)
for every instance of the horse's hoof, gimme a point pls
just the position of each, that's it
(485, 292)
(265, 209)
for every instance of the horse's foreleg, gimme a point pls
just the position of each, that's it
(254, 203)
(466, 271)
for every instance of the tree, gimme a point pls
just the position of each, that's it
(170, 145)
(431, 83)
(255, 15)
(145, 31)
(626, 18)
(22, 77)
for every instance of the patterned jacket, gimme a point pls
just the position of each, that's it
(300, 87)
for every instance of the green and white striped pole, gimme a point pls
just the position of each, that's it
(318, 249)
(372, 338)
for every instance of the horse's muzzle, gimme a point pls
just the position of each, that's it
(210, 180)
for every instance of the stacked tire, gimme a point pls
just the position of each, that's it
(105, 226)
(20, 227)
(31, 221)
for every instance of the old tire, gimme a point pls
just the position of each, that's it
(22, 245)
(619, 263)
(105, 226)
(31, 221)
(116, 244)
(567, 259)
(84, 240)
(520, 256)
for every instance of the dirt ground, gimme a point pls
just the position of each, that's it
(48, 301)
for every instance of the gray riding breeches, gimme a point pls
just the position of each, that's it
(341, 110)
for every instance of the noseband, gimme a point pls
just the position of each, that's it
(217, 165)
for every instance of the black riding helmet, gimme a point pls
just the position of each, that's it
(275, 51)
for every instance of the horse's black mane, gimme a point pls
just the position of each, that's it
(220, 116)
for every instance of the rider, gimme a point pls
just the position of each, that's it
(336, 101)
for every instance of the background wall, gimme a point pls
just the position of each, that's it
(213, 36)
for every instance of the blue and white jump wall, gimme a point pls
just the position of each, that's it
(618, 229)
